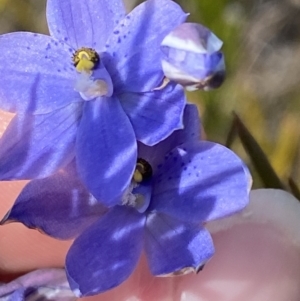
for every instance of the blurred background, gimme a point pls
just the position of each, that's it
(262, 51)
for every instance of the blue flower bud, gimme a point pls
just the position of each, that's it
(191, 56)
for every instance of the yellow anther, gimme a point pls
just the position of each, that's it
(84, 65)
(137, 176)
(85, 59)
(143, 171)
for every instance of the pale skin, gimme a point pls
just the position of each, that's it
(257, 255)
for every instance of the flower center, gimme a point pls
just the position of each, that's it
(143, 171)
(85, 59)
(93, 80)
(138, 194)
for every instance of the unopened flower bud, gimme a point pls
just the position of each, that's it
(191, 56)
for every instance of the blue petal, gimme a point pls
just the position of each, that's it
(106, 253)
(37, 74)
(197, 70)
(43, 284)
(200, 182)
(191, 132)
(134, 47)
(85, 23)
(59, 206)
(191, 57)
(175, 247)
(106, 150)
(36, 146)
(155, 115)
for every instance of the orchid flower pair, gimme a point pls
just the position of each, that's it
(113, 150)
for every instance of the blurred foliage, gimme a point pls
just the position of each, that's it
(262, 50)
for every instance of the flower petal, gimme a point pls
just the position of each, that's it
(106, 253)
(191, 57)
(85, 23)
(155, 115)
(106, 150)
(44, 284)
(200, 182)
(37, 74)
(36, 146)
(134, 47)
(59, 206)
(191, 132)
(176, 247)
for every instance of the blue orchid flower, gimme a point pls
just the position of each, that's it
(90, 88)
(178, 185)
(191, 56)
(40, 285)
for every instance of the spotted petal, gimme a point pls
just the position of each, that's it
(59, 206)
(106, 253)
(134, 46)
(106, 150)
(85, 23)
(155, 115)
(37, 74)
(35, 146)
(200, 182)
(175, 247)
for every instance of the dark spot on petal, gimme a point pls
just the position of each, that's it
(197, 175)
(182, 164)
(28, 48)
(124, 36)
(66, 39)
(35, 34)
(189, 174)
(46, 56)
(192, 134)
(128, 17)
(185, 168)
(159, 166)
(195, 167)
(170, 178)
(58, 30)
(116, 32)
(55, 43)
(70, 50)
(113, 54)
(107, 45)
(175, 159)
(117, 21)
(119, 40)
(122, 25)
(190, 161)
